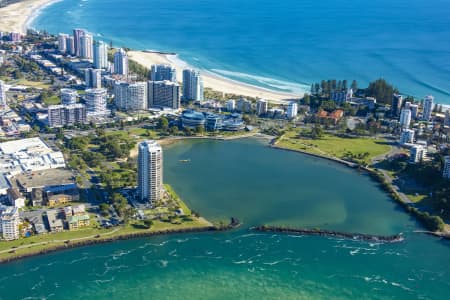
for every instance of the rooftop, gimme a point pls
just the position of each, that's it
(51, 177)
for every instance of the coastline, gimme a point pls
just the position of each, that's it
(212, 80)
(17, 17)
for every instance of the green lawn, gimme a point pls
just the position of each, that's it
(330, 145)
(53, 100)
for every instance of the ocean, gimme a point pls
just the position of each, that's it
(282, 45)
(259, 185)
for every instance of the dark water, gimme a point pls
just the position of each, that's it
(259, 185)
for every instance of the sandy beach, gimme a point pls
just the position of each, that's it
(211, 80)
(15, 17)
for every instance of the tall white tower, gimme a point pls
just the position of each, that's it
(192, 85)
(121, 62)
(2, 93)
(100, 55)
(150, 171)
(428, 107)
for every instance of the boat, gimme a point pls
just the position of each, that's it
(184, 160)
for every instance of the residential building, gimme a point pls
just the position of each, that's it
(62, 42)
(70, 45)
(121, 62)
(96, 100)
(100, 55)
(130, 96)
(10, 223)
(414, 111)
(231, 105)
(163, 94)
(397, 102)
(54, 219)
(162, 73)
(2, 94)
(78, 221)
(447, 118)
(93, 78)
(61, 115)
(16, 198)
(192, 85)
(261, 107)
(405, 118)
(292, 110)
(150, 171)
(243, 105)
(407, 137)
(428, 106)
(87, 46)
(68, 96)
(446, 169)
(77, 34)
(417, 154)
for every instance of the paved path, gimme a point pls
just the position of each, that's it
(60, 241)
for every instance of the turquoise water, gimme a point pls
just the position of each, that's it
(282, 45)
(260, 185)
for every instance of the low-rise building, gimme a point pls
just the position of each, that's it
(16, 198)
(78, 221)
(55, 222)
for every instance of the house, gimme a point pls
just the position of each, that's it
(334, 116)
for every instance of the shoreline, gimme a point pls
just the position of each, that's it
(17, 17)
(213, 80)
(103, 240)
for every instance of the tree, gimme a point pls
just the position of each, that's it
(306, 99)
(381, 90)
(104, 209)
(148, 223)
(200, 129)
(163, 123)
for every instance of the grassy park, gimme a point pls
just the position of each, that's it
(359, 149)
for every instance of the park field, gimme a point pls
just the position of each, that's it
(359, 149)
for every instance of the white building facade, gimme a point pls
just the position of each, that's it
(150, 171)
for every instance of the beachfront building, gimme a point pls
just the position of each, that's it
(192, 85)
(428, 105)
(93, 78)
(212, 122)
(292, 110)
(87, 46)
(405, 118)
(70, 46)
(446, 169)
(243, 105)
(68, 96)
(96, 100)
(2, 94)
(397, 102)
(414, 111)
(130, 96)
(77, 34)
(231, 105)
(71, 114)
(150, 171)
(162, 73)
(417, 154)
(62, 42)
(261, 107)
(164, 94)
(121, 62)
(407, 137)
(10, 223)
(100, 55)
